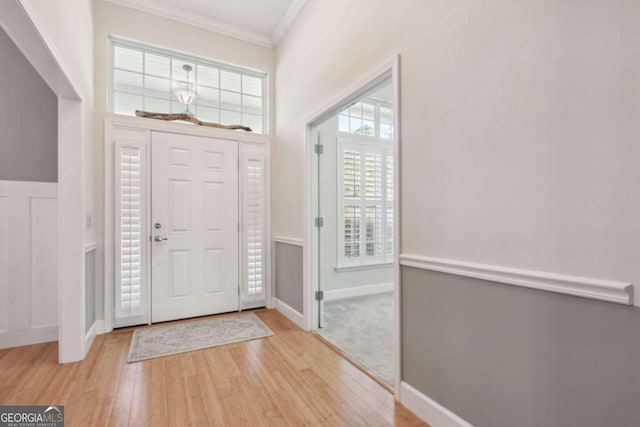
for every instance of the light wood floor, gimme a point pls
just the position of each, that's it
(290, 378)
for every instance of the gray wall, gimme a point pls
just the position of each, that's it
(288, 275)
(28, 120)
(499, 355)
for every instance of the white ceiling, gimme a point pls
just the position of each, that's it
(258, 21)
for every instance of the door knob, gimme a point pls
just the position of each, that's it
(160, 239)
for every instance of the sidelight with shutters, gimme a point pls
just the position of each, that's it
(132, 226)
(253, 174)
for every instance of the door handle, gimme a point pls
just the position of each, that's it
(160, 239)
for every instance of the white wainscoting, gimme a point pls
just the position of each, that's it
(358, 291)
(28, 263)
(428, 409)
(599, 289)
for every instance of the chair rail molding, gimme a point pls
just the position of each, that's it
(598, 289)
(288, 240)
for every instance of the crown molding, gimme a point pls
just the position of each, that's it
(287, 20)
(196, 20)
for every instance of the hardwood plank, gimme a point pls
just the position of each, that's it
(206, 384)
(139, 414)
(176, 400)
(291, 378)
(157, 404)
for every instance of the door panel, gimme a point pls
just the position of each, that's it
(195, 201)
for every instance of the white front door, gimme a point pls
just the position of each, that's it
(194, 226)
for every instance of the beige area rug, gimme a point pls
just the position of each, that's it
(158, 341)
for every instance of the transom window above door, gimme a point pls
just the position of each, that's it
(368, 118)
(155, 80)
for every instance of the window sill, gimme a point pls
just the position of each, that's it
(346, 268)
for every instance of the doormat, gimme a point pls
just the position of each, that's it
(159, 341)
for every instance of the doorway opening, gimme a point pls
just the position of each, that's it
(189, 222)
(354, 234)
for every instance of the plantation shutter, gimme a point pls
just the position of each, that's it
(366, 203)
(373, 170)
(254, 214)
(130, 229)
(389, 205)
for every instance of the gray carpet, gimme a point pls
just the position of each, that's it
(362, 327)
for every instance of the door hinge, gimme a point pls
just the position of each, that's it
(319, 295)
(319, 148)
(319, 221)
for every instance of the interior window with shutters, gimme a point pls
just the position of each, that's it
(365, 202)
(365, 177)
(150, 79)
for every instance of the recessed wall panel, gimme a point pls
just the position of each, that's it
(179, 205)
(213, 267)
(213, 206)
(44, 262)
(180, 157)
(214, 160)
(180, 262)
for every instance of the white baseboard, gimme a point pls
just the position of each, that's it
(429, 410)
(28, 337)
(290, 313)
(358, 291)
(98, 326)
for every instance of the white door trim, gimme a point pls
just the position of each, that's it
(112, 122)
(391, 67)
(18, 22)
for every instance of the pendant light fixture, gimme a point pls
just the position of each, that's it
(186, 95)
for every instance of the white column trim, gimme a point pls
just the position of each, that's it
(598, 289)
(17, 19)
